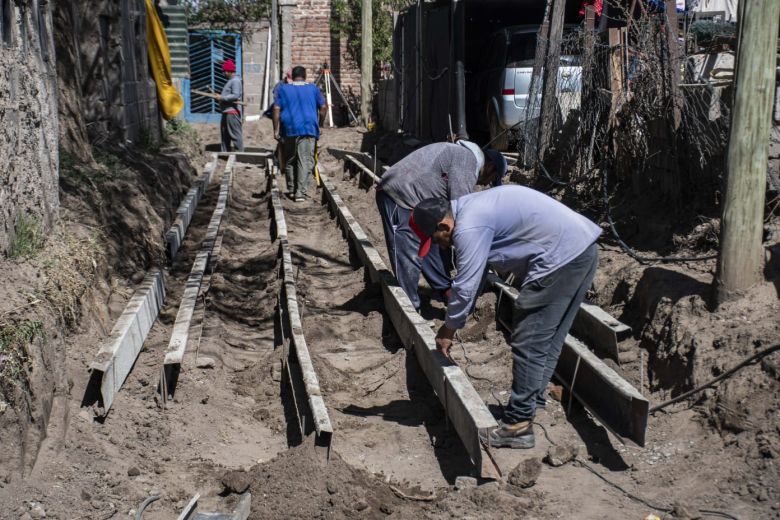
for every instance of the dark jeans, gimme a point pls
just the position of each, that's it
(230, 127)
(402, 246)
(543, 314)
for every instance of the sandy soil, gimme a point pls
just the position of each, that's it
(392, 453)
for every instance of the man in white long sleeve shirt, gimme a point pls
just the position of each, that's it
(549, 248)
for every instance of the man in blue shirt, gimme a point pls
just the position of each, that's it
(299, 108)
(552, 252)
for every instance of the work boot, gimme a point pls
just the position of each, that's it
(519, 435)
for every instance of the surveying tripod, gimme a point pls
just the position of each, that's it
(327, 78)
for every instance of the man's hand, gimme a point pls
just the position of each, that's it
(444, 340)
(277, 136)
(218, 97)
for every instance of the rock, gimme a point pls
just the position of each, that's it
(137, 277)
(361, 505)
(525, 474)
(386, 509)
(560, 455)
(133, 472)
(681, 511)
(323, 263)
(762, 495)
(26, 516)
(158, 469)
(332, 487)
(205, 400)
(36, 511)
(205, 362)
(236, 481)
(463, 482)
(3, 406)
(85, 495)
(276, 371)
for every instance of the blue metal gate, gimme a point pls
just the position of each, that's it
(208, 50)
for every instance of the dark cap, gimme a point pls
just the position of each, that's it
(498, 159)
(425, 218)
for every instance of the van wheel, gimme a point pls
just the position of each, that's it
(501, 143)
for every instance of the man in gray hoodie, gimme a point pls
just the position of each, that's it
(232, 92)
(442, 170)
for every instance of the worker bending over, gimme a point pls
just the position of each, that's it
(300, 109)
(232, 92)
(441, 170)
(549, 248)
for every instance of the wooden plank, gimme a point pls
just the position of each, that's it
(319, 411)
(600, 330)
(614, 402)
(372, 178)
(465, 408)
(117, 356)
(174, 354)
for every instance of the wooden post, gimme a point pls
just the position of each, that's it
(587, 53)
(615, 70)
(550, 85)
(674, 62)
(741, 253)
(366, 61)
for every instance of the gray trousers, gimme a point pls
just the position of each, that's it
(298, 153)
(543, 314)
(232, 132)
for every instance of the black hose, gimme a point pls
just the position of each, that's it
(140, 513)
(727, 373)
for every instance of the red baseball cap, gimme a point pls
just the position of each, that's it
(229, 66)
(424, 219)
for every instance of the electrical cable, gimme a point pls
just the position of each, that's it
(632, 496)
(724, 375)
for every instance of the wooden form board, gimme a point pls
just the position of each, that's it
(117, 356)
(175, 235)
(319, 410)
(616, 404)
(463, 405)
(174, 354)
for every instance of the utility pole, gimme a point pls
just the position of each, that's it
(741, 253)
(366, 61)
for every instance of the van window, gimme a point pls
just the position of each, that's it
(521, 50)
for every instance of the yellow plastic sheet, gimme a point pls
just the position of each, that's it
(168, 97)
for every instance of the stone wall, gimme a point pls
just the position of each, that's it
(103, 67)
(28, 118)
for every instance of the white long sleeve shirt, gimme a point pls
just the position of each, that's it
(513, 229)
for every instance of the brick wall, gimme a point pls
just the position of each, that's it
(314, 44)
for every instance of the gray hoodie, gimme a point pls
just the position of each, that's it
(231, 92)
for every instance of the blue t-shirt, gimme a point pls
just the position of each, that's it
(299, 102)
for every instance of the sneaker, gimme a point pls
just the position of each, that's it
(300, 199)
(519, 435)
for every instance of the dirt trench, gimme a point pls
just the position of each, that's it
(715, 455)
